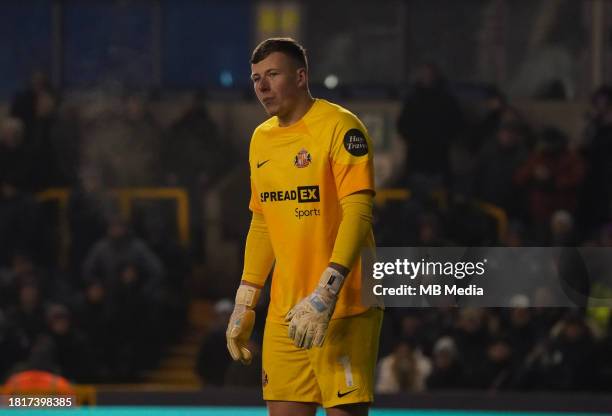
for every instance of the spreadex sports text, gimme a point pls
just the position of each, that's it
(301, 194)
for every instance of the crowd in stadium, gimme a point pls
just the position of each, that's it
(121, 296)
(105, 313)
(556, 192)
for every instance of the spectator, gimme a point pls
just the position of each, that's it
(463, 156)
(519, 329)
(429, 122)
(66, 145)
(24, 271)
(495, 371)
(471, 337)
(94, 315)
(404, 370)
(596, 206)
(411, 328)
(118, 249)
(495, 105)
(53, 143)
(175, 258)
(35, 107)
(512, 116)
(213, 360)
(39, 141)
(13, 345)
(551, 177)
(195, 156)
(440, 322)
(407, 215)
(125, 147)
(135, 321)
(89, 210)
(566, 362)
(161, 236)
(562, 231)
(193, 151)
(497, 162)
(132, 275)
(15, 157)
(29, 313)
(25, 103)
(72, 350)
(20, 226)
(447, 371)
(468, 225)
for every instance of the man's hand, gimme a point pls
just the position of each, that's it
(308, 320)
(241, 323)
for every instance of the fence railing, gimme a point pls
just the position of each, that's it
(125, 198)
(441, 198)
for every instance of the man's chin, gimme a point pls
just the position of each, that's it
(272, 110)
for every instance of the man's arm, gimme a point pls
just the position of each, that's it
(310, 317)
(258, 260)
(258, 253)
(354, 227)
(151, 263)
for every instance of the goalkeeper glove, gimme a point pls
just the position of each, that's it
(308, 320)
(241, 323)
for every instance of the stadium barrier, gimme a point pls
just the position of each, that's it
(441, 198)
(125, 198)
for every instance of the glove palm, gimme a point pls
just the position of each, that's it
(309, 319)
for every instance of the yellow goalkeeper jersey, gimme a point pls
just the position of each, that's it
(298, 175)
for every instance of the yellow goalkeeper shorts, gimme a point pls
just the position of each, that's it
(339, 372)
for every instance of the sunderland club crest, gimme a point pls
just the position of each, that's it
(302, 159)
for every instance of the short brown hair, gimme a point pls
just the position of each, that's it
(288, 46)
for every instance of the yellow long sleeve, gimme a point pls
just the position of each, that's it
(355, 225)
(258, 253)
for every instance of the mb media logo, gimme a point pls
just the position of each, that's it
(301, 194)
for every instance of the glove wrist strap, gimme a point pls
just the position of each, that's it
(331, 280)
(247, 296)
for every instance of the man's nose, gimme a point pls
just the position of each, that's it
(264, 85)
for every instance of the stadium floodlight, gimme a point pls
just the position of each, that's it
(226, 79)
(331, 81)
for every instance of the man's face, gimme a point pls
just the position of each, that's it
(277, 81)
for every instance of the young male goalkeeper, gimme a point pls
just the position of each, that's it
(312, 186)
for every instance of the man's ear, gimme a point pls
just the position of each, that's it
(302, 77)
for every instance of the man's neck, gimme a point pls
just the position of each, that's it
(298, 112)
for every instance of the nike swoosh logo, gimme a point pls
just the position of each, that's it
(260, 164)
(346, 392)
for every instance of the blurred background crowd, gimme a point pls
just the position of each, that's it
(127, 295)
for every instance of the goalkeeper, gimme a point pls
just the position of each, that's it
(312, 188)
